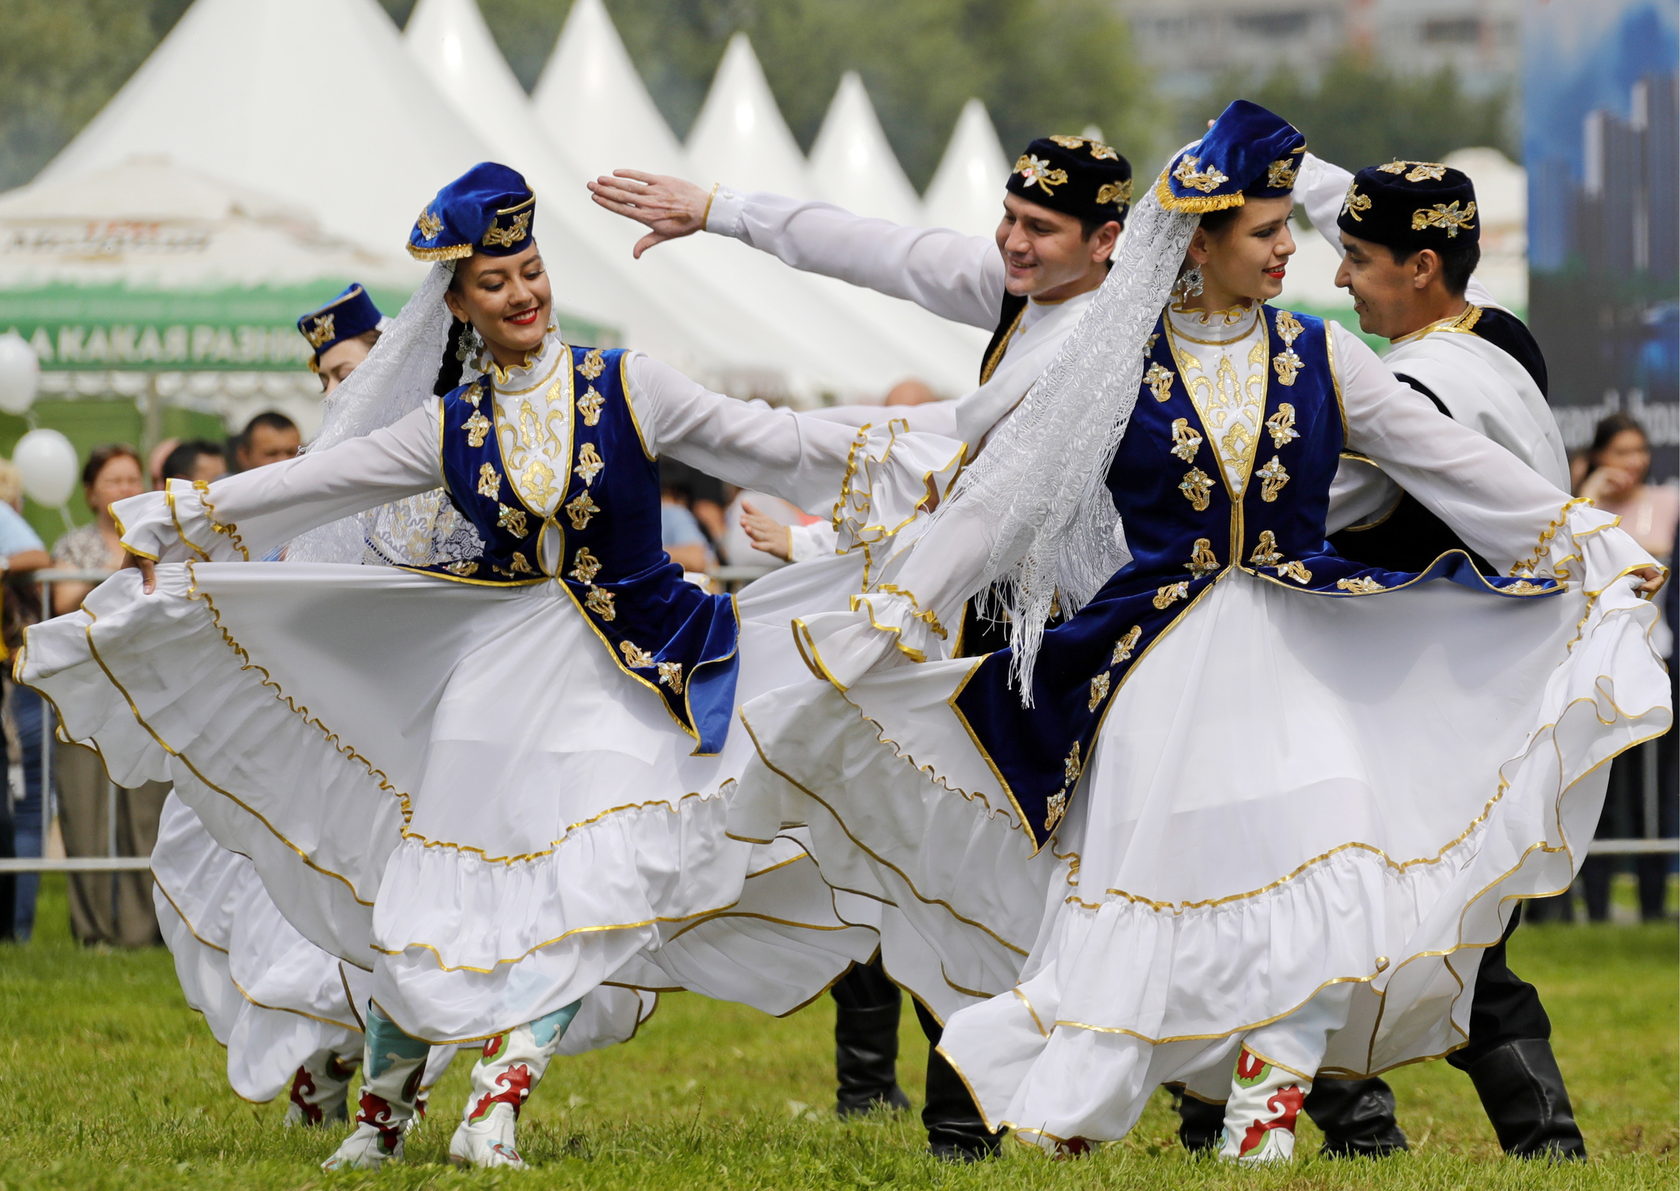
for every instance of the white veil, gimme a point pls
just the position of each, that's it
(395, 380)
(1039, 484)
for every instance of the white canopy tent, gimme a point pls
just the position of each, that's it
(967, 189)
(680, 314)
(853, 165)
(740, 138)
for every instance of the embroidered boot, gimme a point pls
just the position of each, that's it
(1260, 1115)
(512, 1064)
(392, 1068)
(321, 1088)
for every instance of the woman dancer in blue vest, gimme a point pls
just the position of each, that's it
(488, 772)
(1252, 811)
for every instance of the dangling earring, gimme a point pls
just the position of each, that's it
(1189, 284)
(467, 349)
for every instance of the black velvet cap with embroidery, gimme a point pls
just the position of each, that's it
(1411, 205)
(1074, 175)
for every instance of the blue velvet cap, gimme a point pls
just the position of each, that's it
(488, 209)
(1248, 149)
(1411, 205)
(350, 314)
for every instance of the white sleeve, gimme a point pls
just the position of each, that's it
(249, 514)
(955, 276)
(1320, 188)
(1485, 494)
(815, 540)
(746, 443)
(1360, 496)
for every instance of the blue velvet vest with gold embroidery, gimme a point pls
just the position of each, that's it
(664, 632)
(1186, 530)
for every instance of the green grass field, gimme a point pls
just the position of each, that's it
(108, 1080)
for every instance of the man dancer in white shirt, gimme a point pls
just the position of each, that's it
(1064, 207)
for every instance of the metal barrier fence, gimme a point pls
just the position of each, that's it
(729, 577)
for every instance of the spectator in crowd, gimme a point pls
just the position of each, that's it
(21, 555)
(195, 459)
(267, 438)
(114, 908)
(1618, 481)
(685, 534)
(156, 459)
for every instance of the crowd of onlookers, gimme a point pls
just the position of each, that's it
(702, 530)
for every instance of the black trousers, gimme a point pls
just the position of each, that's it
(1505, 1008)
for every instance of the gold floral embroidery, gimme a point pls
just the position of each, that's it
(1071, 768)
(1123, 647)
(476, 427)
(1197, 487)
(1037, 171)
(1288, 366)
(1236, 442)
(589, 463)
(589, 405)
(1281, 425)
(1421, 171)
(1363, 585)
(512, 520)
(1160, 381)
(585, 566)
(1203, 561)
(1446, 215)
(1149, 345)
(1289, 327)
(464, 568)
(538, 481)
(320, 331)
(1203, 180)
(1355, 204)
(581, 509)
(1186, 442)
(1099, 692)
(1171, 593)
(635, 656)
(507, 237)
(1272, 479)
(1114, 192)
(600, 602)
(521, 566)
(670, 673)
(474, 394)
(593, 365)
(1056, 805)
(1296, 570)
(1280, 175)
(429, 224)
(1524, 587)
(1266, 553)
(489, 482)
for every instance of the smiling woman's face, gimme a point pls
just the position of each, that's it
(507, 299)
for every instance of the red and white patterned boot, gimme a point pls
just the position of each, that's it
(393, 1066)
(321, 1088)
(1260, 1115)
(502, 1079)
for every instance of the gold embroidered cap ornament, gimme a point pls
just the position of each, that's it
(1074, 175)
(1411, 205)
(488, 209)
(350, 314)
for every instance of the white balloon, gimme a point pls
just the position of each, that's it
(47, 465)
(20, 374)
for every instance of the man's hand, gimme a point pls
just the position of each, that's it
(670, 208)
(766, 533)
(1653, 577)
(148, 571)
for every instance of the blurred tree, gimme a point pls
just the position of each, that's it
(1358, 112)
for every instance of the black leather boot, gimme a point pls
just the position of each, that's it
(1201, 1126)
(1356, 1117)
(956, 1131)
(866, 1007)
(1522, 1090)
(866, 1059)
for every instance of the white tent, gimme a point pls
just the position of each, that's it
(852, 164)
(151, 279)
(676, 313)
(741, 139)
(967, 189)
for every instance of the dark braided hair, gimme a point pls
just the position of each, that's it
(449, 368)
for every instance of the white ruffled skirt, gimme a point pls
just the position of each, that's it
(1293, 801)
(451, 786)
